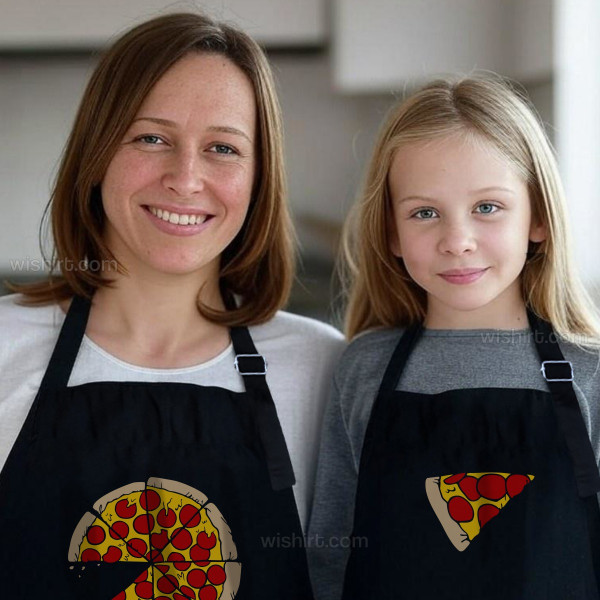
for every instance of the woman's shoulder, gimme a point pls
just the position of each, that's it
(27, 331)
(297, 329)
(18, 317)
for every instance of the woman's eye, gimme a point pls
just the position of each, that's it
(151, 140)
(488, 209)
(425, 214)
(222, 149)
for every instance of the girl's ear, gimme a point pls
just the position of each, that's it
(394, 240)
(537, 232)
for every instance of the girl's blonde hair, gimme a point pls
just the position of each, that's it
(258, 265)
(380, 290)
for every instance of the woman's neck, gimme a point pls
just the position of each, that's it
(156, 323)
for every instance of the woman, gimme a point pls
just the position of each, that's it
(151, 462)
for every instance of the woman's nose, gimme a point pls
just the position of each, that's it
(184, 173)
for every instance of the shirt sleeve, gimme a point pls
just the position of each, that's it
(331, 521)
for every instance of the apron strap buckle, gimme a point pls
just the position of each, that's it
(559, 371)
(251, 364)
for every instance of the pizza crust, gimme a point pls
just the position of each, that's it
(100, 505)
(180, 488)
(453, 530)
(228, 547)
(79, 534)
(233, 572)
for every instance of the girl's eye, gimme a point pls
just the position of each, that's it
(488, 209)
(426, 214)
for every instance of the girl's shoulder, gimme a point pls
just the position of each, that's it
(369, 351)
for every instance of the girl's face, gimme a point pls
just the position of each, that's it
(190, 154)
(462, 223)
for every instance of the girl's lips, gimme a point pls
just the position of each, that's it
(176, 229)
(467, 277)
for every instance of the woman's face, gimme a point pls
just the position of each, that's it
(178, 188)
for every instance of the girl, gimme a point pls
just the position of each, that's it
(151, 438)
(459, 420)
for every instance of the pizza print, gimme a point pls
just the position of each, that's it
(465, 502)
(182, 542)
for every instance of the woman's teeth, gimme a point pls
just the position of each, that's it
(177, 219)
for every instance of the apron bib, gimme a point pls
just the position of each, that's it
(163, 491)
(483, 493)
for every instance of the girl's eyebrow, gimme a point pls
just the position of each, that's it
(217, 128)
(493, 188)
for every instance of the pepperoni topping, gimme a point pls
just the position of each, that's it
(468, 486)
(460, 510)
(142, 577)
(177, 596)
(120, 596)
(125, 510)
(166, 518)
(178, 561)
(486, 512)
(164, 569)
(154, 556)
(90, 555)
(207, 593)
(515, 484)
(196, 578)
(113, 555)
(453, 478)
(144, 590)
(137, 547)
(119, 530)
(182, 539)
(149, 500)
(163, 598)
(189, 516)
(95, 535)
(189, 592)
(167, 584)
(144, 524)
(492, 486)
(160, 540)
(206, 541)
(199, 554)
(216, 574)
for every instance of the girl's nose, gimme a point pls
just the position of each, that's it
(184, 173)
(457, 239)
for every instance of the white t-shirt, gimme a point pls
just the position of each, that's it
(300, 353)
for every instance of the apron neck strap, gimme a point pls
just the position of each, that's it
(399, 358)
(66, 349)
(556, 370)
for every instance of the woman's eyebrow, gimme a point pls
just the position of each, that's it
(217, 128)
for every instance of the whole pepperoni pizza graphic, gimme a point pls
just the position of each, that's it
(169, 528)
(465, 502)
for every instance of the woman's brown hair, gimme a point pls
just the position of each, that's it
(258, 265)
(380, 290)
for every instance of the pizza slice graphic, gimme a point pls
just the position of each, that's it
(181, 541)
(465, 502)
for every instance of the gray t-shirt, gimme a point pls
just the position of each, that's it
(441, 360)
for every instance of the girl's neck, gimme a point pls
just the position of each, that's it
(498, 314)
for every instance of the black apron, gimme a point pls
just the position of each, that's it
(81, 443)
(543, 543)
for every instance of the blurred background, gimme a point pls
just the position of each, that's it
(339, 65)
